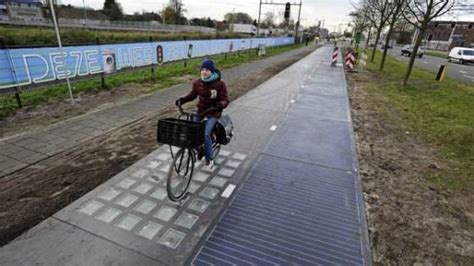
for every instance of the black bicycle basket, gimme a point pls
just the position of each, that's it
(180, 133)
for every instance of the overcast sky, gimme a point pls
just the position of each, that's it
(334, 12)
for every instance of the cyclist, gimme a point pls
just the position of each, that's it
(211, 92)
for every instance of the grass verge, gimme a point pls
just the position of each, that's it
(437, 54)
(442, 113)
(27, 35)
(164, 76)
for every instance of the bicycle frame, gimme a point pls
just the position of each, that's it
(189, 161)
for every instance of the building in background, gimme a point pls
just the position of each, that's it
(444, 35)
(3, 11)
(25, 10)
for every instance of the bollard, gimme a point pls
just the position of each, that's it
(441, 73)
(102, 78)
(347, 53)
(334, 56)
(362, 61)
(350, 60)
(152, 64)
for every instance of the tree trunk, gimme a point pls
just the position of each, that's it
(387, 40)
(413, 55)
(379, 31)
(368, 37)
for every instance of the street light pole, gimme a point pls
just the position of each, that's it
(231, 26)
(61, 50)
(85, 13)
(258, 23)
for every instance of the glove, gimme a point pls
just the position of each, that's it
(178, 102)
(219, 107)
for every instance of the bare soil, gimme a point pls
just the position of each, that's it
(410, 221)
(35, 117)
(35, 193)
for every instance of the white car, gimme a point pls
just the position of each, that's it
(462, 55)
(408, 50)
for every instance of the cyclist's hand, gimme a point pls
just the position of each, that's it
(178, 102)
(219, 107)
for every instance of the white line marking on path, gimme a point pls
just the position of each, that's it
(273, 128)
(424, 62)
(228, 191)
(464, 72)
(470, 77)
(292, 101)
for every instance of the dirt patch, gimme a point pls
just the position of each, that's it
(37, 192)
(410, 222)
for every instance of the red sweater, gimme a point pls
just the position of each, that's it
(213, 94)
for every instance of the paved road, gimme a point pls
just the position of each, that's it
(432, 63)
(21, 151)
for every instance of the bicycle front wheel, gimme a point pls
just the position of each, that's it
(180, 174)
(216, 148)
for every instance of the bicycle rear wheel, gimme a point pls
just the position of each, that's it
(180, 174)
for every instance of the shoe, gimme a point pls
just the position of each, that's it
(209, 165)
(200, 154)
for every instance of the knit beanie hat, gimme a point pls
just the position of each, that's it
(208, 64)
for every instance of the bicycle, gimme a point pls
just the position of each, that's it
(188, 135)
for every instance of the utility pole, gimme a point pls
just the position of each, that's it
(61, 50)
(231, 26)
(298, 22)
(176, 14)
(259, 11)
(163, 19)
(85, 14)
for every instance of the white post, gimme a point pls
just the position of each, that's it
(61, 50)
(450, 40)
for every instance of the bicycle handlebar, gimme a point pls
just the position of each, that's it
(183, 113)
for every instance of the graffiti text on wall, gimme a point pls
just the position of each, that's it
(21, 67)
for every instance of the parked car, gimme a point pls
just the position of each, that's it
(408, 50)
(462, 55)
(389, 46)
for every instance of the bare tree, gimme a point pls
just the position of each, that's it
(369, 18)
(381, 10)
(360, 22)
(419, 14)
(269, 19)
(397, 8)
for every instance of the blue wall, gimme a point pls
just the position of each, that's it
(37, 65)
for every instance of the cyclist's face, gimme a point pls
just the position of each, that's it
(205, 73)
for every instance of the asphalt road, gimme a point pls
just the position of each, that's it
(432, 63)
